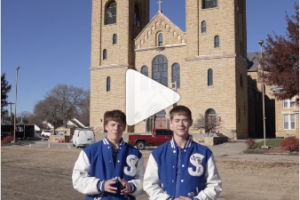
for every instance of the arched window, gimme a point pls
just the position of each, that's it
(145, 70)
(160, 70)
(176, 74)
(111, 13)
(241, 81)
(210, 77)
(217, 42)
(209, 4)
(136, 16)
(211, 112)
(104, 54)
(161, 113)
(160, 40)
(114, 38)
(203, 27)
(144, 83)
(108, 84)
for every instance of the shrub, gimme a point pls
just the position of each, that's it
(250, 143)
(290, 144)
(7, 139)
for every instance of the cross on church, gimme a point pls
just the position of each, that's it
(160, 2)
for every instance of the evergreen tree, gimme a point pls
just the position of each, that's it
(5, 89)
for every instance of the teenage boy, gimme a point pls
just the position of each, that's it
(182, 169)
(110, 169)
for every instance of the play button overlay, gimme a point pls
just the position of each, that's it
(145, 97)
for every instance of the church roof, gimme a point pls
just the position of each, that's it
(159, 23)
(6, 122)
(151, 22)
(253, 61)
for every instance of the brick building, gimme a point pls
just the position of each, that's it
(208, 61)
(282, 116)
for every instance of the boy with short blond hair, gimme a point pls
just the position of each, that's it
(182, 169)
(181, 110)
(110, 169)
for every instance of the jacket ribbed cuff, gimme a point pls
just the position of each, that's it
(132, 187)
(101, 186)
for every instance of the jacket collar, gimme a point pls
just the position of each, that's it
(106, 142)
(187, 143)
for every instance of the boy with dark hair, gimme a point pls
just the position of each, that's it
(110, 169)
(182, 169)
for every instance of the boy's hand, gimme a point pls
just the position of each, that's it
(108, 186)
(127, 188)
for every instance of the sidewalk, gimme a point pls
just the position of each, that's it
(234, 151)
(228, 148)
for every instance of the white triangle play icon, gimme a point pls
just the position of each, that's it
(145, 97)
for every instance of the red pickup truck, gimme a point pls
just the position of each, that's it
(158, 137)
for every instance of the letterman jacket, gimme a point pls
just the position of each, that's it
(95, 165)
(199, 175)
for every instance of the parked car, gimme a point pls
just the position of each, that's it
(46, 133)
(156, 138)
(83, 137)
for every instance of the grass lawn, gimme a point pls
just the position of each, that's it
(270, 143)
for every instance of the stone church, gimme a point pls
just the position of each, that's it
(206, 65)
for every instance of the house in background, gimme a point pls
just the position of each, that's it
(75, 123)
(287, 116)
(5, 122)
(69, 129)
(36, 128)
(46, 125)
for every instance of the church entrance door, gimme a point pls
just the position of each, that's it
(160, 120)
(160, 123)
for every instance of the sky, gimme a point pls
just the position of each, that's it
(51, 40)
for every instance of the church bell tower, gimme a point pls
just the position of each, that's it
(115, 24)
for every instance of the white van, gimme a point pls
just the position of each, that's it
(46, 133)
(83, 137)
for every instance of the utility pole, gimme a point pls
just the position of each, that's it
(16, 104)
(263, 100)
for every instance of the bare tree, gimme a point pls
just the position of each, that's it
(25, 116)
(67, 100)
(46, 110)
(63, 102)
(83, 113)
(209, 123)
